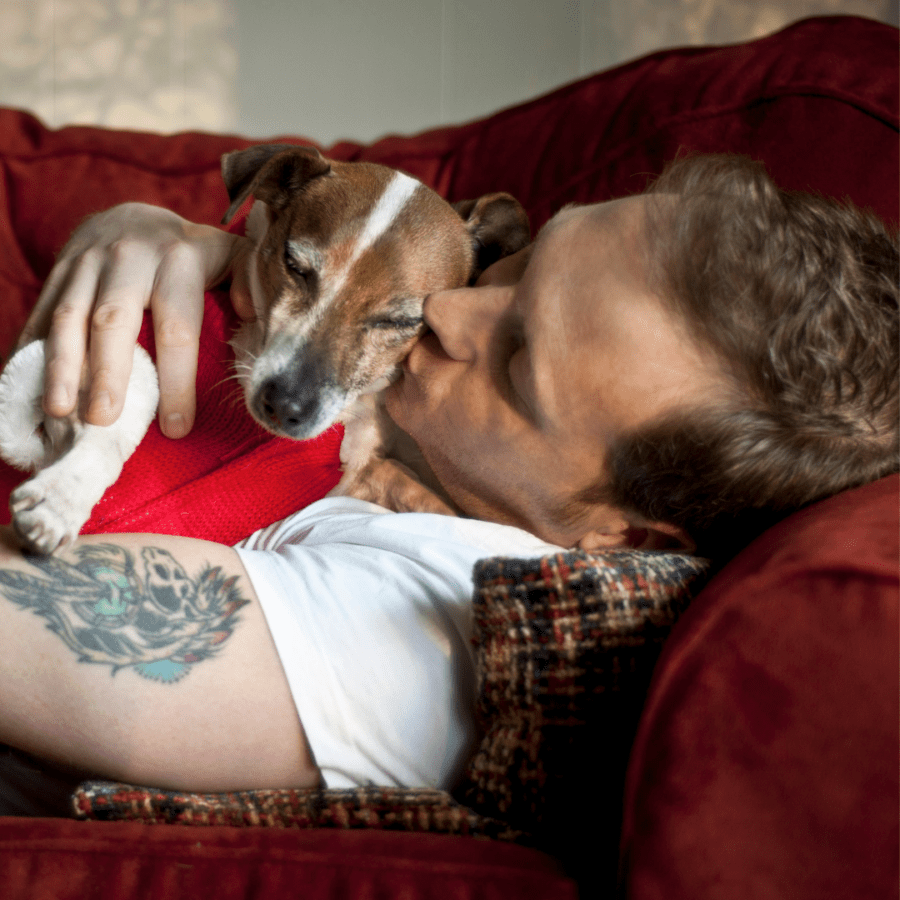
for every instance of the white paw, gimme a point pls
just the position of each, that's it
(46, 513)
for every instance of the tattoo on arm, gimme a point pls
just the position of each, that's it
(159, 622)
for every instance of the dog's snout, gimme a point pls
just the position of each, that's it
(289, 405)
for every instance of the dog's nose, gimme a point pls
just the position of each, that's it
(288, 405)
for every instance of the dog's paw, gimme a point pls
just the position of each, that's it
(391, 484)
(44, 514)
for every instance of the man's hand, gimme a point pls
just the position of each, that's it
(116, 265)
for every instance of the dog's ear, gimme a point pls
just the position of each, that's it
(498, 225)
(273, 172)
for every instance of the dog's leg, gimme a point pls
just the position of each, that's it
(391, 484)
(369, 437)
(50, 509)
(77, 462)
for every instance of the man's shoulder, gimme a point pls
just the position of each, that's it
(346, 520)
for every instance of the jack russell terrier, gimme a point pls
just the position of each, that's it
(344, 255)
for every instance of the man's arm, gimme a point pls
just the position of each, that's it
(145, 659)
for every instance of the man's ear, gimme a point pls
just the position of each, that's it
(620, 533)
(498, 225)
(272, 172)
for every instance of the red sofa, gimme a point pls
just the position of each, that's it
(765, 758)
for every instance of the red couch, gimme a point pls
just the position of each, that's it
(765, 760)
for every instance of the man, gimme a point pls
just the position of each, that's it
(658, 371)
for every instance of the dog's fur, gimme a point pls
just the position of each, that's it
(344, 255)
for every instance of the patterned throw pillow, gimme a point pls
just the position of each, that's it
(565, 646)
(561, 641)
(382, 808)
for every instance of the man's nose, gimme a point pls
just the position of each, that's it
(462, 319)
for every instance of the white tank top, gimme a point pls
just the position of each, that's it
(371, 614)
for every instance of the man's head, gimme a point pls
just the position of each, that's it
(687, 364)
(524, 383)
(797, 295)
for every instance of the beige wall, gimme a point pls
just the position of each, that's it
(335, 69)
(332, 69)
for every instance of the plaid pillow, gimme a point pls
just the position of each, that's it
(565, 646)
(387, 809)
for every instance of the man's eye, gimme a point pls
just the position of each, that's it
(510, 345)
(517, 374)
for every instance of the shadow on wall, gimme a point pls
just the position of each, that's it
(353, 69)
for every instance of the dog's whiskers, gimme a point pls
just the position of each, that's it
(235, 398)
(233, 376)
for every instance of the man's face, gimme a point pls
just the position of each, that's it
(524, 381)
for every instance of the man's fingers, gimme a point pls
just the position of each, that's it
(78, 257)
(116, 264)
(66, 331)
(123, 294)
(177, 306)
(177, 341)
(38, 323)
(241, 298)
(177, 392)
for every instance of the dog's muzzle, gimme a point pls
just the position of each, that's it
(298, 403)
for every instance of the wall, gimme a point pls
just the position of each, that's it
(332, 69)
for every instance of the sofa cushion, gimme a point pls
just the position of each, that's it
(58, 859)
(379, 808)
(765, 764)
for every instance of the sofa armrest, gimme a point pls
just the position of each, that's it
(765, 764)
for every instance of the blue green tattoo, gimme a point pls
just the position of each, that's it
(159, 623)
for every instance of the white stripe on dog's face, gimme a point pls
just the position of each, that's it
(390, 204)
(396, 195)
(283, 346)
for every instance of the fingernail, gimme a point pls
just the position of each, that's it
(100, 407)
(58, 397)
(175, 425)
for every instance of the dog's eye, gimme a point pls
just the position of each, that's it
(397, 323)
(299, 271)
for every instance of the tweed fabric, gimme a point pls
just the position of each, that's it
(563, 643)
(387, 809)
(567, 645)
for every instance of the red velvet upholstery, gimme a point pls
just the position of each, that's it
(56, 859)
(761, 764)
(766, 760)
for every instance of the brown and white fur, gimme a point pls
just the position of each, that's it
(344, 255)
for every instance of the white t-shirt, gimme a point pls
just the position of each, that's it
(371, 614)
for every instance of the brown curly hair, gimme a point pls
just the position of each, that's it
(798, 296)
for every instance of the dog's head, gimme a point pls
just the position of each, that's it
(345, 254)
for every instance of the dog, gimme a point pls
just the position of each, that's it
(343, 256)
